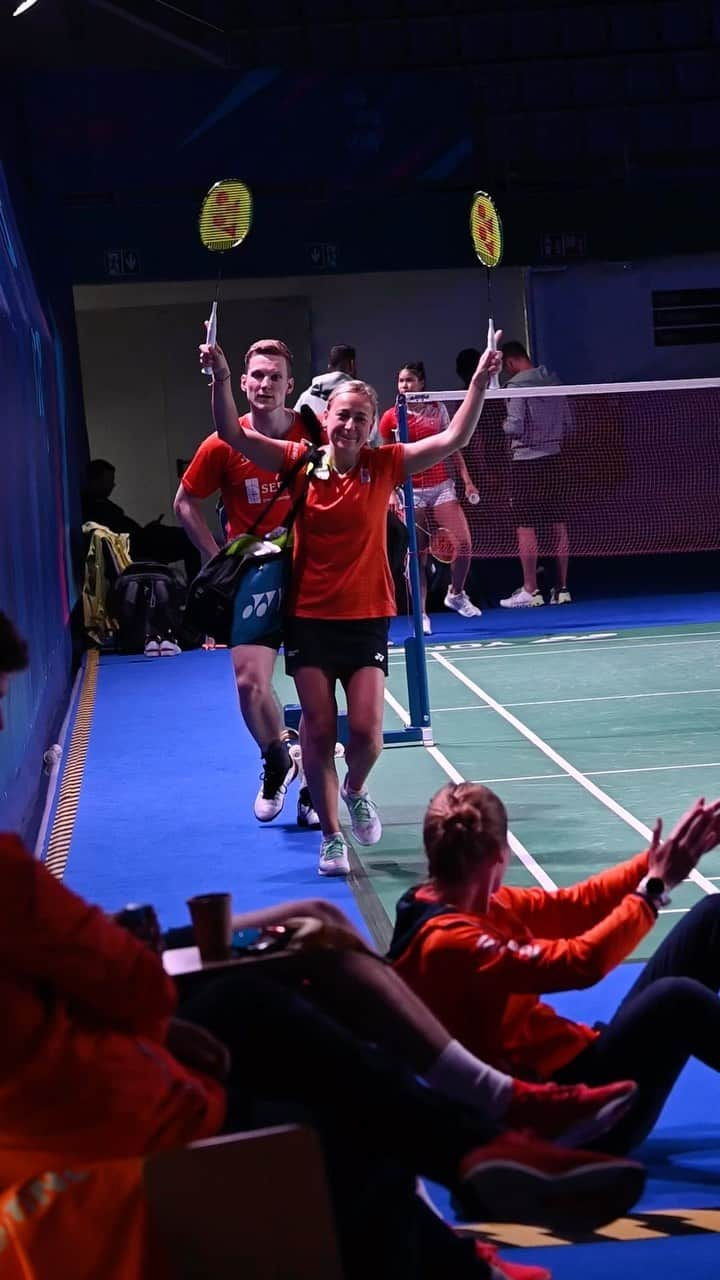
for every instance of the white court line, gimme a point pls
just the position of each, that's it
(603, 697)
(483, 655)
(564, 764)
(522, 648)
(602, 773)
(399, 710)
(521, 853)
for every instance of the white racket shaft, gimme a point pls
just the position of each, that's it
(493, 381)
(211, 335)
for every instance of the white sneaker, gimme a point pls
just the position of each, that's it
(152, 648)
(306, 815)
(522, 599)
(168, 648)
(279, 769)
(560, 595)
(462, 604)
(364, 819)
(334, 856)
(427, 625)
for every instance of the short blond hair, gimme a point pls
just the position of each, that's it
(354, 385)
(270, 347)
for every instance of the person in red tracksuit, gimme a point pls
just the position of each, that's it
(482, 955)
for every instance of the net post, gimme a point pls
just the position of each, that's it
(415, 661)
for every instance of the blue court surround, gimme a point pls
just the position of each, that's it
(165, 809)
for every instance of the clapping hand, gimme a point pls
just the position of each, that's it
(696, 833)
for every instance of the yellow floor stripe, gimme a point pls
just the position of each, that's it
(64, 820)
(658, 1225)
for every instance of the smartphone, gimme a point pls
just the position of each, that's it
(256, 941)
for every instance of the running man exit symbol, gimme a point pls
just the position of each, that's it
(122, 262)
(323, 256)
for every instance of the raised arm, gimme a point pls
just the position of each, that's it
(263, 451)
(424, 453)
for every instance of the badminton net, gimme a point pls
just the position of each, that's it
(633, 467)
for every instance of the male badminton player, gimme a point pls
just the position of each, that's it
(245, 489)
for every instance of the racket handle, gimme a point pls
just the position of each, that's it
(211, 336)
(493, 382)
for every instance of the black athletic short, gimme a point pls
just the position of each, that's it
(539, 491)
(340, 647)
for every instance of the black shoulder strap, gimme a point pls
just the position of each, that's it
(314, 430)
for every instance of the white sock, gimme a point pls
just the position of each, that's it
(460, 1074)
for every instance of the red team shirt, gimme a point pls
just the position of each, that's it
(340, 564)
(433, 418)
(244, 487)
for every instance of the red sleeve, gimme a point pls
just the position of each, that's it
(538, 965)
(567, 912)
(205, 474)
(293, 452)
(388, 426)
(50, 934)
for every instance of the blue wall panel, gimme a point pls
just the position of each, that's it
(39, 443)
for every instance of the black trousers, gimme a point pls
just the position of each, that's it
(672, 1013)
(380, 1127)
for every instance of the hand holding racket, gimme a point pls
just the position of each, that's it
(210, 338)
(213, 360)
(489, 364)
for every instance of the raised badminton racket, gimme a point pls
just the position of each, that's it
(225, 221)
(487, 238)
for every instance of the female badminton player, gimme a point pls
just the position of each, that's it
(341, 595)
(437, 510)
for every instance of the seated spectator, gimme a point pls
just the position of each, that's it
(95, 1066)
(482, 954)
(152, 541)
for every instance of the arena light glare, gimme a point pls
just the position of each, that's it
(22, 8)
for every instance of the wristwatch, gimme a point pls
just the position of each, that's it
(654, 891)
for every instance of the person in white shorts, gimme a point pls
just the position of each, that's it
(434, 494)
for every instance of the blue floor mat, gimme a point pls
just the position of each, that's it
(587, 615)
(166, 803)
